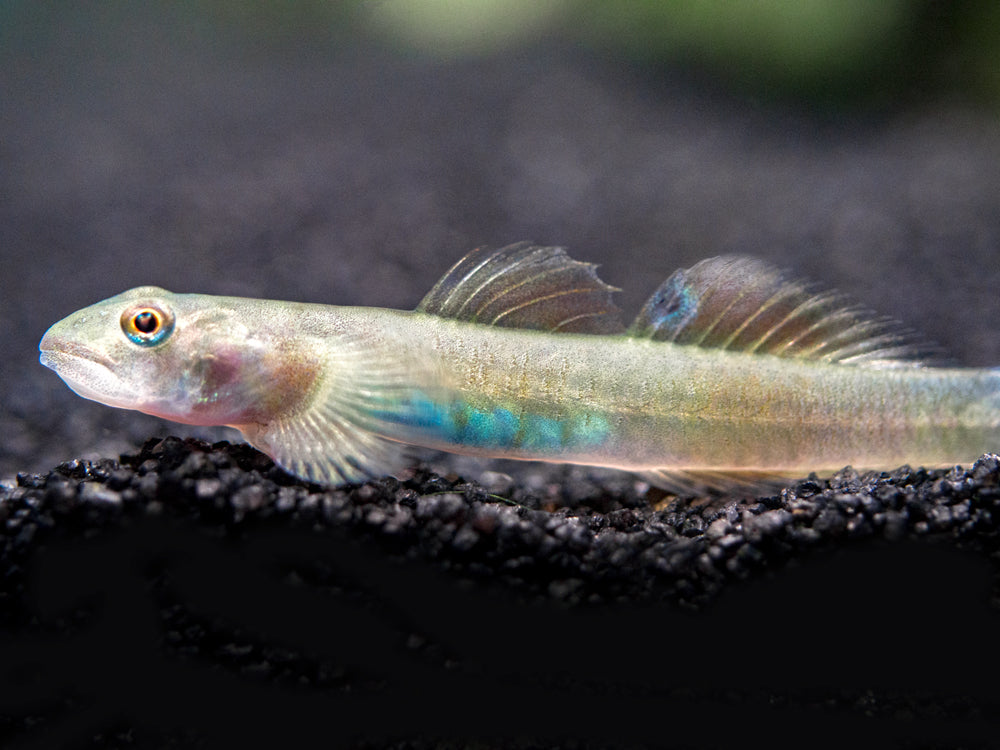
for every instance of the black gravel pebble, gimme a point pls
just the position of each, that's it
(220, 543)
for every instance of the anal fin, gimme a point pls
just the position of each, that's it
(700, 483)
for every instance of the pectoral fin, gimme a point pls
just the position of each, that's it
(338, 435)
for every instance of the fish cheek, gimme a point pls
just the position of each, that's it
(215, 387)
(236, 387)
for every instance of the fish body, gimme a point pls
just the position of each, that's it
(730, 378)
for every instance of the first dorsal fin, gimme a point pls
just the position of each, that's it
(744, 304)
(525, 286)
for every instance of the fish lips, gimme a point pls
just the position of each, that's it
(87, 372)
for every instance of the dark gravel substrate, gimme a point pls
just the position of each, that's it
(584, 543)
(147, 585)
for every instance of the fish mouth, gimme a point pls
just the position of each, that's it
(54, 352)
(87, 372)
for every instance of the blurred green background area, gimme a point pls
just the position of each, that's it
(826, 51)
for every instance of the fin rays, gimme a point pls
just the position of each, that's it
(338, 436)
(743, 304)
(773, 302)
(497, 320)
(697, 483)
(525, 286)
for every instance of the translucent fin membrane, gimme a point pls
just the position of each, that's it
(743, 304)
(338, 435)
(699, 483)
(525, 286)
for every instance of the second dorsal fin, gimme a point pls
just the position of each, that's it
(744, 304)
(525, 286)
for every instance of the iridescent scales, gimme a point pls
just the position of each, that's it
(497, 428)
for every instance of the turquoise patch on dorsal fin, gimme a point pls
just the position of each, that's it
(743, 304)
(525, 286)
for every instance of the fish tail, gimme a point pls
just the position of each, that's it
(992, 406)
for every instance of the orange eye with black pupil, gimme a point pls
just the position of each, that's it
(147, 325)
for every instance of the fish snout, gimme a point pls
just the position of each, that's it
(56, 348)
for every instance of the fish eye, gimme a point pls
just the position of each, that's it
(147, 325)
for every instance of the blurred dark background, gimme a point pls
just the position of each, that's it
(349, 152)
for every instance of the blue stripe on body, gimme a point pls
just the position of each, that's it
(461, 423)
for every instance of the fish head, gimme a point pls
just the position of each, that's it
(190, 358)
